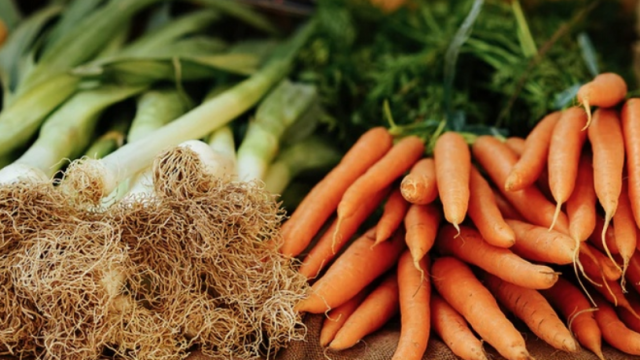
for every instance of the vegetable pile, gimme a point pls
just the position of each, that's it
(183, 175)
(544, 227)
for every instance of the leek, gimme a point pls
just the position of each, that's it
(281, 108)
(65, 134)
(112, 139)
(92, 180)
(307, 155)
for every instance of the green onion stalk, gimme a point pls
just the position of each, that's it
(155, 108)
(48, 84)
(112, 139)
(279, 110)
(309, 154)
(91, 180)
(65, 134)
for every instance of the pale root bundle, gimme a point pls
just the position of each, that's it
(77, 276)
(19, 319)
(206, 248)
(25, 209)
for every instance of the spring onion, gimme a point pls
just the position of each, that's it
(65, 134)
(91, 180)
(306, 155)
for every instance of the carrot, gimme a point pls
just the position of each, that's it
(414, 292)
(506, 209)
(565, 147)
(516, 144)
(591, 267)
(453, 329)
(485, 214)
(610, 270)
(457, 284)
(376, 309)
(326, 248)
(624, 228)
(537, 243)
(596, 237)
(607, 142)
(421, 224)
(574, 307)
(503, 263)
(631, 131)
(399, 159)
(322, 200)
(394, 210)
(357, 267)
(453, 166)
(419, 186)
(605, 90)
(633, 271)
(534, 154)
(613, 293)
(630, 320)
(581, 206)
(614, 331)
(534, 310)
(497, 159)
(337, 317)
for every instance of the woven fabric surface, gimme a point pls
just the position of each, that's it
(381, 345)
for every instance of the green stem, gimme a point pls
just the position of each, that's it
(527, 43)
(20, 121)
(279, 110)
(196, 124)
(155, 109)
(112, 139)
(67, 132)
(306, 155)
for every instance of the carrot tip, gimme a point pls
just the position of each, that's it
(457, 227)
(555, 215)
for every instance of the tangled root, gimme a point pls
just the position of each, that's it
(77, 277)
(86, 182)
(192, 265)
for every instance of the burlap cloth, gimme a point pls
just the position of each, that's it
(381, 345)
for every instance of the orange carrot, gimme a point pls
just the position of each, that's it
(565, 147)
(596, 237)
(605, 90)
(337, 317)
(376, 309)
(421, 224)
(614, 331)
(399, 159)
(357, 267)
(414, 292)
(392, 215)
(485, 214)
(630, 320)
(591, 267)
(574, 307)
(633, 271)
(419, 186)
(453, 166)
(470, 247)
(534, 310)
(322, 200)
(607, 142)
(581, 206)
(506, 209)
(326, 248)
(537, 243)
(613, 293)
(457, 284)
(516, 144)
(497, 159)
(624, 228)
(534, 154)
(610, 270)
(454, 330)
(631, 132)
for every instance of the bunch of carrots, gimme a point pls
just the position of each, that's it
(544, 227)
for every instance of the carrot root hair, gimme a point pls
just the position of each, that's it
(587, 109)
(555, 215)
(607, 221)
